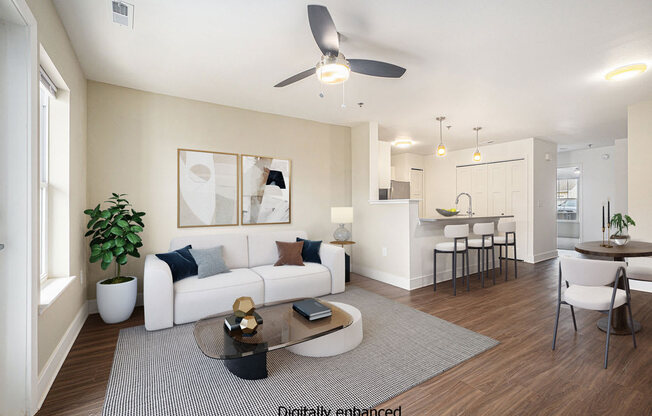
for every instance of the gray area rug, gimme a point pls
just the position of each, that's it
(165, 373)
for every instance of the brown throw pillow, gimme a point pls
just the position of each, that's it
(289, 253)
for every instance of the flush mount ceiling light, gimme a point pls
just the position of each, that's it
(625, 72)
(403, 142)
(441, 149)
(477, 156)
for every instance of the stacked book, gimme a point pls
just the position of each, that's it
(311, 309)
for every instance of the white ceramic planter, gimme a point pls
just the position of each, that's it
(116, 302)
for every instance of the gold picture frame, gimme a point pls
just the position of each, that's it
(237, 188)
(242, 190)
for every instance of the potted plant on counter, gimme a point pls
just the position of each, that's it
(114, 231)
(621, 224)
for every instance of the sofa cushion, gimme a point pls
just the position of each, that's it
(289, 253)
(234, 249)
(290, 282)
(196, 298)
(310, 250)
(262, 246)
(181, 263)
(209, 261)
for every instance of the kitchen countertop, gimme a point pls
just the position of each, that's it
(462, 218)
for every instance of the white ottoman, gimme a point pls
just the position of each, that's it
(334, 343)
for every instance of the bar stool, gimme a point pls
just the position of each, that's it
(460, 236)
(484, 245)
(508, 228)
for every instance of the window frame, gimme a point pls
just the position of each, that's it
(44, 145)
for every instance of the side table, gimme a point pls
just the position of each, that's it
(347, 258)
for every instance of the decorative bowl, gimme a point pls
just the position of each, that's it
(620, 240)
(447, 213)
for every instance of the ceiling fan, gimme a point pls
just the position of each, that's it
(333, 67)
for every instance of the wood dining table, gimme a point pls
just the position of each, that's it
(620, 322)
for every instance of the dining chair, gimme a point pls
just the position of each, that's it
(459, 245)
(507, 239)
(485, 248)
(586, 288)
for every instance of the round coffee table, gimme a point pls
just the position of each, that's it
(620, 323)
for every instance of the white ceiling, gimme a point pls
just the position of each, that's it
(519, 68)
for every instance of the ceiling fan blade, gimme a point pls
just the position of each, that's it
(376, 68)
(323, 30)
(295, 78)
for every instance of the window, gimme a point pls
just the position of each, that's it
(567, 199)
(47, 90)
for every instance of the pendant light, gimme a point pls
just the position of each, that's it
(441, 149)
(477, 156)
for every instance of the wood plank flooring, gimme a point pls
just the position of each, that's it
(521, 376)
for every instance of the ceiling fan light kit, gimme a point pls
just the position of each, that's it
(333, 68)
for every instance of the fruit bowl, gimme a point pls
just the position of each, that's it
(447, 213)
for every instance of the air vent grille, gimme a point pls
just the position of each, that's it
(122, 13)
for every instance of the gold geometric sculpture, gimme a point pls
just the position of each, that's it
(243, 306)
(248, 324)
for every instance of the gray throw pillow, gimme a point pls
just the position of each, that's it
(209, 261)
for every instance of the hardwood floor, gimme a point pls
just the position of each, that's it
(521, 376)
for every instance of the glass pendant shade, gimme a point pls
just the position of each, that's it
(441, 150)
(477, 156)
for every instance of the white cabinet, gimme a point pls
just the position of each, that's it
(416, 188)
(498, 189)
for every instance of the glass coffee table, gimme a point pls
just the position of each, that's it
(246, 356)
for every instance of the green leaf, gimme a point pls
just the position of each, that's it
(129, 247)
(123, 223)
(95, 258)
(99, 224)
(88, 211)
(96, 249)
(108, 245)
(91, 222)
(133, 238)
(88, 233)
(107, 257)
(115, 195)
(105, 265)
(122, 259)
(119, 242)
(118, 251)
(117, 231)
(135, 253)
(136, 228)
(105, 214)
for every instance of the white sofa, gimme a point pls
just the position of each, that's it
(251, 258)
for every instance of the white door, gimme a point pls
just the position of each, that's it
(497, 184)
(416, 188)
(479, 190)
(516, 202)
(464, 184)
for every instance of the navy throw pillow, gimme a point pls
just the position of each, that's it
(181, 263)
(310, 251)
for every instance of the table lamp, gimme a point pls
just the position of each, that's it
(341, 216)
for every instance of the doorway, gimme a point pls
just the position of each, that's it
(568, 206)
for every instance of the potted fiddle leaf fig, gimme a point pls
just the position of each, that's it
(621, 224)
(114, 236)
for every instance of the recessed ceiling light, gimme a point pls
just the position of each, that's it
(403, 142)
(625, 72)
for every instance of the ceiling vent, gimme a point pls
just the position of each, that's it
(123, 13)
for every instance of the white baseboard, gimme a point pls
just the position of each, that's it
(52, 367)
(92, 304)
(389, 278)
(547, 255)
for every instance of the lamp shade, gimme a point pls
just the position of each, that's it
(341, 215)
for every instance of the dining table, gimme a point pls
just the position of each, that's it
(620, 322)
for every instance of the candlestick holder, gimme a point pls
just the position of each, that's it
(606, 245)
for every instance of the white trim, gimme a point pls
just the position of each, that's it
(547, 255)
(389, 278)
(56, 360)
(92, 304)
(393, 201)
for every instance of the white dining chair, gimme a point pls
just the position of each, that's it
(586, 288)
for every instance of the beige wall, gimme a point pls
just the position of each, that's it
(54, 322)
(133, 140)
(639, 148)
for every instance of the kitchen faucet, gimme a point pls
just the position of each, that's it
(457, 200)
